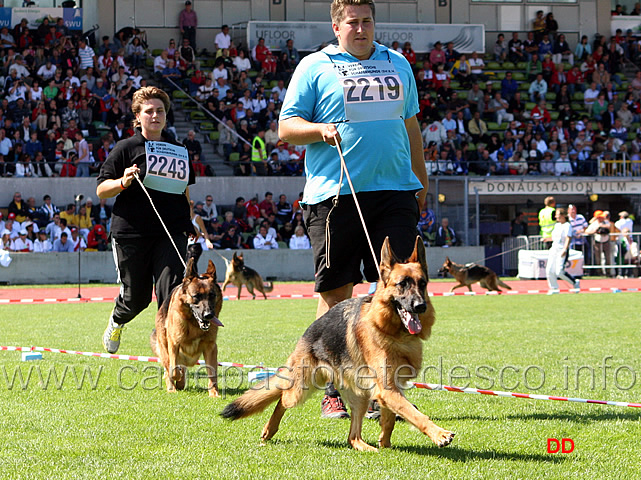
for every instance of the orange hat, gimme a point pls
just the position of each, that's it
(598, 213)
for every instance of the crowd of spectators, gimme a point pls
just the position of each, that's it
(547, 108)
(259, 224)
(47, 228)
(533, 106)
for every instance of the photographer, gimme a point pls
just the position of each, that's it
(601, 227)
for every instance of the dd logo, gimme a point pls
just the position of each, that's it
(566, 445)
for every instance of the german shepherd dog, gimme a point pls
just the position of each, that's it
(238, 274)
(187, 326)
(363, 345)
(471, 273)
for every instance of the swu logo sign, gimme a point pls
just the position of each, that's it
(566, 445)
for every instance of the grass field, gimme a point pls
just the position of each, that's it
(122, 424)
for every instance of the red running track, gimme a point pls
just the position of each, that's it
(303, 290)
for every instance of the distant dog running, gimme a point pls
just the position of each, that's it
(471, 273)
(363, 345)
(187, 326)
(238, 274)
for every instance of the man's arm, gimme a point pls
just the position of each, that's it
(299, 131)
(418, 161)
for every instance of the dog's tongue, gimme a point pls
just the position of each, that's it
(410, 320)
(217, 322)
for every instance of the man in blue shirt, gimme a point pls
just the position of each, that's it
(362, 95)
(62, 244)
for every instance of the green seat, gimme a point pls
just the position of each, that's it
(509, 66)
(207, 126)
(419, 65)
(529, 105)
(156, 51)
(282, 244)
(462, 94)
(518, 76)
(494, 66)
(577, 96)
(455, 84)
(149, 62)
(214, 136)
(493, 126)
(179, 94)
(98, 124)
(550, 96)
(234, 157)
(554, 115)
(521, 65)
(197, 116)
(500, 75)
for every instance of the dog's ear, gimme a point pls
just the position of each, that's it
(235, 256)
(211, 270)
(388, 260)
(190, 270)
(418, 255)
(447, 260)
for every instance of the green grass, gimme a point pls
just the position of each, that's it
(122, 430)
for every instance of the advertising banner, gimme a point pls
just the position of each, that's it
(310, 36)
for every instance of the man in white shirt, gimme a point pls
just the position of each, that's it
(264, 240)
(47, 71)
(20, 69)
(22, 243)
(624, 221)
(160, 62)
(42, 243)
(223, 39)
(86, 54)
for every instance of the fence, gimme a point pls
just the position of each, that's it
(619, 256)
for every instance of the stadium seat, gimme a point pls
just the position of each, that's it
(577, 96)
(214, 136)
(234, 157)
(197, 116)
(156, 51)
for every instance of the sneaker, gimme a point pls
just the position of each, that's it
(373, 410)
(577, 285)
(111, 337)
(553, 292)
(333, 407)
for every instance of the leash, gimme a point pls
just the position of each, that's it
(497, 255)
(161, 221)
(345, 172)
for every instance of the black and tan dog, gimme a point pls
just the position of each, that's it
(466, 275)
(238, 274)
(187, 326)
(364, 345)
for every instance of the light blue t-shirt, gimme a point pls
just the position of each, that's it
(376, 150)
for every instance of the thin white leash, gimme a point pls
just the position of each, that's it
(345, 171)
(161, 222)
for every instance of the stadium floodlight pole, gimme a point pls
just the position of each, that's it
(477, 391)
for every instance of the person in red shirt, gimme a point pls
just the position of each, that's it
(260, 51)
(409, 54)
(97, 239)
(253, 211)
(267, 206)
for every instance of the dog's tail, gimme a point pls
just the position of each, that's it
(255, 400)
(268, 286)
(503, 284)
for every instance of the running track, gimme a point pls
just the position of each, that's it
(303, 290)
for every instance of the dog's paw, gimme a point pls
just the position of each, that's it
(214, 393)
(176, 374)
(443, 438)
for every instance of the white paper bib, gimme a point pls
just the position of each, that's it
(167, 167)
(372, 90)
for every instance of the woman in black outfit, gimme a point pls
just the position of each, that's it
(144, 255)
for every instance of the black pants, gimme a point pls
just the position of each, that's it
(190, 34)
(143, 263)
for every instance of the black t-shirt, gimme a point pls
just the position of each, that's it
(133, 215)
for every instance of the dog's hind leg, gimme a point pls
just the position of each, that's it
(250, 289)
(387, 421)
(358, 407)
(271, 427)
(458, 286)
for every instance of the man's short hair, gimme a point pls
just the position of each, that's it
(337, 9)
